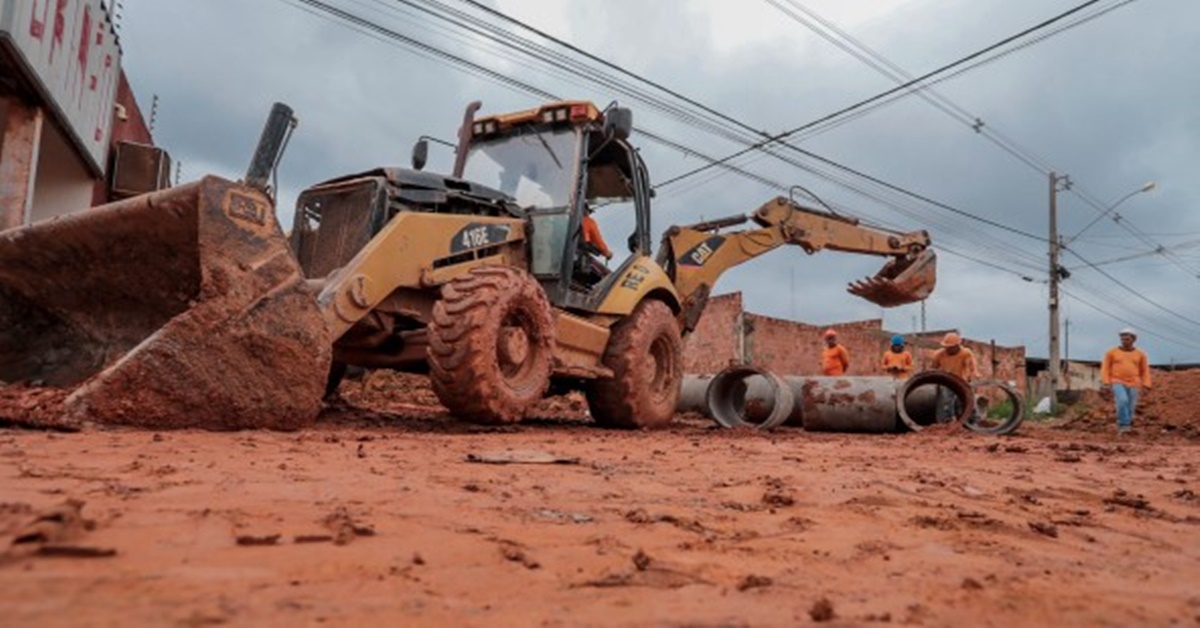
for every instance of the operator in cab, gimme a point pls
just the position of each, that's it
(593, 240)
(589, 269)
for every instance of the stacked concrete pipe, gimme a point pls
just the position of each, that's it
(747, 396)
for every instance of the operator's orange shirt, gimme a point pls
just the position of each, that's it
(1131, 368)
(902, 362)
(961, 364)
(592, 235)
(835, 360)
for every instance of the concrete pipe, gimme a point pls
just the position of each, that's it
(732, 403)
(759, 397)
(919, 387)
(847, 404)
(693, 395)
(834, 407)
(985, 423)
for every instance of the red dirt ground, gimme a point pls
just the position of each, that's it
(1170, 410)
(379, 515)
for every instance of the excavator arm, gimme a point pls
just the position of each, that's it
(696, 255)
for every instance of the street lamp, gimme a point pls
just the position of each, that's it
(1150, 185)
(1058, 273)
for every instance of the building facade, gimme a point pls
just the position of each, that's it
(69, 122)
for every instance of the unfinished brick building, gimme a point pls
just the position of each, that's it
(727, 334)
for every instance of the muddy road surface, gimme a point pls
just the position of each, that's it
(394, 513)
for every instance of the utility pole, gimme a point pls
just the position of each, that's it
(1055, 363)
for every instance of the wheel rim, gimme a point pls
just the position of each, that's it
(662, 364)
(515, 348)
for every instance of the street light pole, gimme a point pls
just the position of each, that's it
(1056, 273)
(1148, 186)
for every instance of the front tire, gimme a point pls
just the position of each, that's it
(645, 354)
(491, 345)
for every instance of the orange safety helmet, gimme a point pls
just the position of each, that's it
(829, 333)
(951, 339)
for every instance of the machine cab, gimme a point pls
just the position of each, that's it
(554, 160)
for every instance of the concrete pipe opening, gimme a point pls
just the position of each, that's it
(919, 399)
(731, 403)
(1000, 408)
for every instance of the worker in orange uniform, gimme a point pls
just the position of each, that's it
(955, 359)
(593, 240)
(835, 360)
(1126, 369)
(897, 361)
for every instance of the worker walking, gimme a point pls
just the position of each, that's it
(835, 360)
(955, 359)
(1127, 370)
(897, 361)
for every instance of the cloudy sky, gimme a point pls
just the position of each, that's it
(1110, 101)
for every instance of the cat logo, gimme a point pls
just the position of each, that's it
(700, 254)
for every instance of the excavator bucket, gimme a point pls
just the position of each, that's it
(180, 308)
(900, 281)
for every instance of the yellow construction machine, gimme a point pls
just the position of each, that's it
(189, 307)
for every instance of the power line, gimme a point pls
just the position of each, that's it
(523, 86)
(846, 42)
(1126, 321)
(1132, 256)
(378, 30)
(1079, 20)
(899, 88)
(745, 127)
(1131, 289)
(1137, 233)
(876, 61)
(550, 57)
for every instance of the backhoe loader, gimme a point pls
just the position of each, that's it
(189, 307)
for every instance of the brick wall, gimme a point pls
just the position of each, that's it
(726, 334)
(715, 343)
(791, 348)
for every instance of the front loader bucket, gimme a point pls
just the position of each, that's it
(900, 281)
(181, 308)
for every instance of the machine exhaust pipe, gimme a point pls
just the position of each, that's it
(271, 144)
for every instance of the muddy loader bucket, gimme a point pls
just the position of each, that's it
(900, 281)
(181, 308)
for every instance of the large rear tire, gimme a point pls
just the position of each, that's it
(491, 345)
(645, 354)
